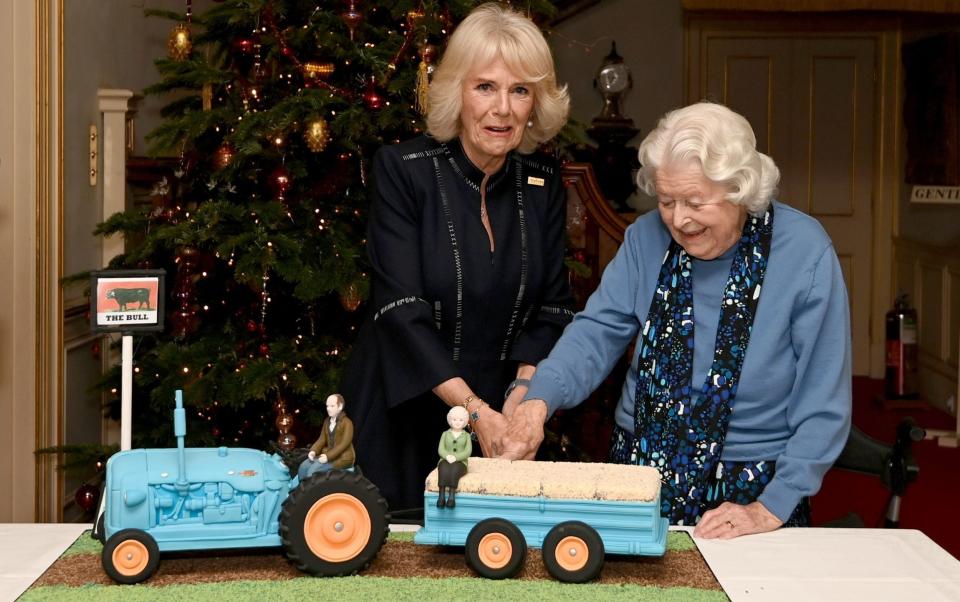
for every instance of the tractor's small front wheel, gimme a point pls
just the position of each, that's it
(334, 523)
(130, 556)
(496, 548)
(573, 552)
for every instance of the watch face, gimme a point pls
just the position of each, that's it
(614, 78)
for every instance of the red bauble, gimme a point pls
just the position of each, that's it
(215, 431)
(86, 497)
(251, 326)
(372, 98)
(264, 349)
(287, 441)
(243, 46)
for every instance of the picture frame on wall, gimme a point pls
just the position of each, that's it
(126, 301)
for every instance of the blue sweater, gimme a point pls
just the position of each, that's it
(793, 401)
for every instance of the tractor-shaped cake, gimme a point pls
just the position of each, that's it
(162, 500)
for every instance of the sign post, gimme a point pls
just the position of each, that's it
(126, 301)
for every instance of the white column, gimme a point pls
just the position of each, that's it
(113, 106)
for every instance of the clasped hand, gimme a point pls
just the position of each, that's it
(514, 435)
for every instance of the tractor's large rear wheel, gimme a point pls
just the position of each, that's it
(334, 523)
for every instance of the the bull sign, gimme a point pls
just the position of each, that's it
(126, 300)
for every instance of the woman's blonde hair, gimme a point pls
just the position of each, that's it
(724, 145)
(490, 32)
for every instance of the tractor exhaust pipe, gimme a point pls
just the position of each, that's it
(180, 431)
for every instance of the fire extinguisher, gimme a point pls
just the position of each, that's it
(901, 375)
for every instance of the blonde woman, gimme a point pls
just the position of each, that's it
(466, 241)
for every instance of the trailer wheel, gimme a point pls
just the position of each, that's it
(130, 556)
(495, 548)
(333, 524)
(573, 552)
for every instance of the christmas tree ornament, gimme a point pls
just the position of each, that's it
(284, 421)
(280, 181)
(184, 320)
(243, 47)
(414, 19)
(264, 349)
(317, 134)
(428, 55)
(287, 441)
(371, 97)
(251, 326)
(179, 44)
(314, 70)
(86, 497)
(206, 96)
(350, 297)
(352, 17)
(223, 156)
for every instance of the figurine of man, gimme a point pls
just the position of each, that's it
(334, 449)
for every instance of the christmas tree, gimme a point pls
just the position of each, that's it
(279, 105)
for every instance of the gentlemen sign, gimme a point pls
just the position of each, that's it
(936, 194)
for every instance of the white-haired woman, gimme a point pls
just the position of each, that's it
(744, 418)
(466, 241)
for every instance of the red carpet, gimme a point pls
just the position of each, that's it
(929, 503)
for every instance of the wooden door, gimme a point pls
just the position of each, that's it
(812, 101)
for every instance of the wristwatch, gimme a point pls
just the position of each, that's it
(517, 382)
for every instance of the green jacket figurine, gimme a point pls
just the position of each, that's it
(461, 447)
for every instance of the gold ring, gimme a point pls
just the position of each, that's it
(732, 526)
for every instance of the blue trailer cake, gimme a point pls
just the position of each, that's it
(575, 512)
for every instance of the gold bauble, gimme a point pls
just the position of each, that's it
(317, 134)
(179, 44)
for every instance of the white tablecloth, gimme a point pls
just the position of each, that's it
(27, 550)
(790, 564)
(834, 564)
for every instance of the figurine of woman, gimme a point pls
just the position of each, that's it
(455, 447)
(334, 448)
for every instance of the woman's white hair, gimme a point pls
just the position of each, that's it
(724, 145)
(492, 31)
(458, 411)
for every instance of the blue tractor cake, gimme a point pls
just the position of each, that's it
(179, 499)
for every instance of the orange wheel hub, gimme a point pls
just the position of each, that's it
(495, 550)
(337, 527)
(572, 553)
(130, 557)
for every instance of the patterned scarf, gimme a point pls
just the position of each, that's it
(681, 434)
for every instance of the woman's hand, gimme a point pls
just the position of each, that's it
(451, 458)
(489, 428)
(513, 401)
(730, 520)
(524, 433)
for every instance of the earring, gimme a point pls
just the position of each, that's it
(530, 123)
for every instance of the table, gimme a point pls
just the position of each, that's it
(785, 565)
(833, 564)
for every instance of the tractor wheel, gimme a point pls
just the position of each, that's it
(333, 524)
(495, 548)
(573, 552)
(130, 556)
